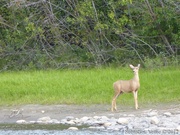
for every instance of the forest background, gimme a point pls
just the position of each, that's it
(56, 34)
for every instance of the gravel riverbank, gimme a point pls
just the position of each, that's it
(164, 118)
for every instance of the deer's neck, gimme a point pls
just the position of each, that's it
(136, 77)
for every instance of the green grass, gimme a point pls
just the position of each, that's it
(92, 86)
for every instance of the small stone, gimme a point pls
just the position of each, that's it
(122, 121)
(98, 128)
(39, 122)
(104, 118)
(32, 122)
(130, 126)
(42, 111)
(167, 114)
(76, 120)
(178, 128)
(113, 128)
(72, 128)
(113, 120)
(154, 120)
(107, 124)
(151, 114)
(21, 122)
(84, 119)
(96, 117)
(131, 115)
(96, 122)
(118, 127)
(111, 115)
(55, 121)
(44, 119)
(92, 127)
(70, 122)
(68, 118)
(63, 121)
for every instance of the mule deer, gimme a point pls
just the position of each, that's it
(127, 86)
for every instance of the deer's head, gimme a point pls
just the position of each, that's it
(135, 69)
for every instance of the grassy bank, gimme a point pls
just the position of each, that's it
(91, 86)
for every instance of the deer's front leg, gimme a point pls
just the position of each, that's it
(135, 93)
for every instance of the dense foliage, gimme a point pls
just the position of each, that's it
(41, 34)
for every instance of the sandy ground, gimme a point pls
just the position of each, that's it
(33, 112)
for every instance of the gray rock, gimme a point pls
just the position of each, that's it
(154, 120)
(89, 122)
(68, 118)
(84, 119)
(97, 127)
(92, 127)
(32, 122)
(107, 124)
(122, 121)
(145, 124)
(141, 125)
(21, 122)
(113, 119)
(72, 128)
(110, 115)
(77, 121)
(153, 113)
(39, 122)
(97, 117)
(169, 124)
(178, 128)
(104, 118)
(55, 121)
(167, 114)
(119, 127)
(71, 122)
(42, 111)
(44, 119)
(113, 128)
(96, 122)
(63, 121)
(130, 126)
(131, 115)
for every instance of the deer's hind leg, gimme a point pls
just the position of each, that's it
(117, 92)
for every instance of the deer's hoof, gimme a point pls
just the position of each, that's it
(113, 109)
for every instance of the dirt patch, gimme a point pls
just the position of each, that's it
(34, 112)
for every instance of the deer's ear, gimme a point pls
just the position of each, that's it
(131, 66)
(139, 65)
